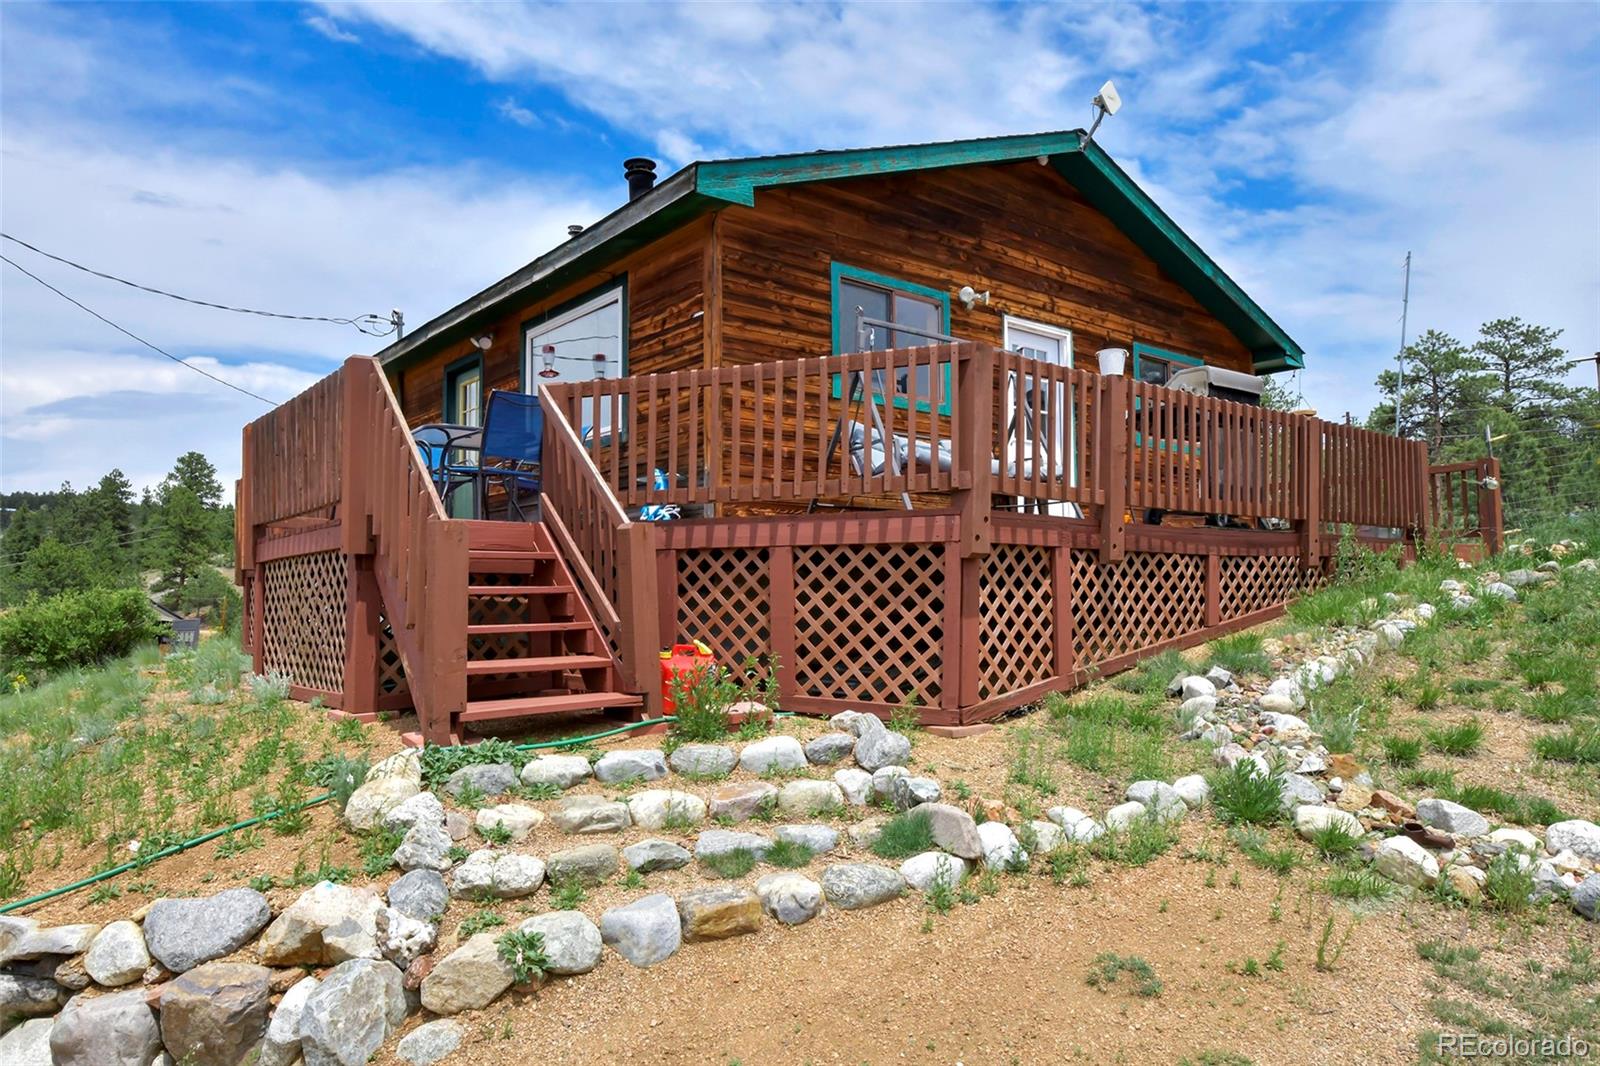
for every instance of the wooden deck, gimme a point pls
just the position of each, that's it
(362, 590)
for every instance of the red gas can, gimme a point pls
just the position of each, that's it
(682, 660)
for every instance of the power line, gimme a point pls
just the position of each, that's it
(361, 322)
(135, 336)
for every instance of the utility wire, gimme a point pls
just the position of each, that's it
(361, 322)
(135, 336)
(141, 538)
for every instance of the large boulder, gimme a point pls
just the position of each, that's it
(470, 977)
(853, 885)
(571, 941)
(488, 778)
(1000, 845)
(13, 929)
(714, 842)
(644, 932)
(953, 830)
(27, 1044)
(22, 996)
(429, 1043)
(648, 856)
(789, 897)
(561, 771)
(829, 748)
(357, 1007)
(882, 747)
(923, 871)
(817, 839)
(1574, 835)
(804, 797)
(1309, 820)
(115, 1030)
(1585, 899)
(426, 846)
(423, 807)
(656, 808)
(588, 865)
(590, 814)
(183, 933)
(772, 754)
(1403, 860)
(854, 784)
(327, 925)
(216, 1014)
(637, 765)
(33, 942)
(1452, 817)
(908, 791)
(703, 760)
(372, 801)
(1158, 796)
(740, 800)
(281, 1044)
(718, 912)
(118, 956)
(420, 894)
(500, 874)
(406, 763)
(517, 819)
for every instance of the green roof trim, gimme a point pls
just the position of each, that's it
(708, 186)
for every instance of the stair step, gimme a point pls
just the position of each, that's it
(539, 665)
(515, 628)
(518, 590)
(504, 561)
(482, 710)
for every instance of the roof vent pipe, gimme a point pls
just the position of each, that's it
(641, 175)
(573, 230)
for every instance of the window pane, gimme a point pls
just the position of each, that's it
(919, 312)
(469, 400)
(587, 346)
(875, 302)
(1153, 371)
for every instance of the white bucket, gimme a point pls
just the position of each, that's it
(1113, 361)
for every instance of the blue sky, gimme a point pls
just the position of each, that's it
(340, 159)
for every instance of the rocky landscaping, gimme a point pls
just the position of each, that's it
(493, 879)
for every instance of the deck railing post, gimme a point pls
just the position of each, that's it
(444, 638)
(1491, 513)
(975, 443)
(1308, 470)
(641, 638)
(1421, 520)
(355, 463)
(360, 637)
(1111, 445)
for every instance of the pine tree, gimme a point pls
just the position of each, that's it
(194, 472)
(182, 544)
(1526, 365)
(1443, 380)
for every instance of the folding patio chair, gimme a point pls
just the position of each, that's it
(513, 449)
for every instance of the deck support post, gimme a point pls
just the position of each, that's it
(1111, 444)
(1065, 624)
(780, 614)
(444, 636)
(641, 637)
(1309, 469)
(974, 443)
(1213, 614)
(361, 635)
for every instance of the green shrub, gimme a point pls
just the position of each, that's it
(42, 636)
(1108, 966)
(524, 953)
(1243, 794)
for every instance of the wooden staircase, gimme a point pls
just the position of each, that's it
(532, 646)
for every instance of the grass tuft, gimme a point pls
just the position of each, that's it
(904, 836)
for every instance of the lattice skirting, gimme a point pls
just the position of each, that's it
(303, 619)
(1016, 619)
(869, 622)
(724, 600)
(1149, 598)
(1250, 583)
(391, 671)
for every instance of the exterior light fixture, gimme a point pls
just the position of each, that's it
(972, 297)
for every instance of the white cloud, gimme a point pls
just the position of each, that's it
(331, 29)
(512, 111)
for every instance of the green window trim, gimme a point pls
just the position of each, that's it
(453, 373)
(1169, 356)
(843, 322)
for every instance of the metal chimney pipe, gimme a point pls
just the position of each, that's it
(641, 175)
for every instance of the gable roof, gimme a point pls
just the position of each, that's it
(702, 187)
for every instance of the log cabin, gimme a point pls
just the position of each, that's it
(837, 413)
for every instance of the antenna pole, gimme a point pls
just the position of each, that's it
(1405, 307)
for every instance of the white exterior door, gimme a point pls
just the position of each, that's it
(1042, 414)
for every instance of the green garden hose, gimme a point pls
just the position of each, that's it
(146, 860)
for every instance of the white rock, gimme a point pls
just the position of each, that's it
(1452, 817)
(790, 897)
(117, 956)
(28, 1044)
(770, 754)
(406, 763)
(883, 779)
(422, 807)
(655, 808)
(1196, 685)
(1066, 817)
(429, 1043)
(1047, 836)
(562, 771)
(818, 839)
(403, 939)
(922, 871)
(281, 1046)
(855, 785)
(881, 747)
(1309, 819)
(1198, 706)
(644, 932)
(1122, 815)
(1405, 861)
(369, 803)
(1500, 589)
(1517, 838)
(503, 875)
(807, 797)
(1289, 689)
(1575, 835)
(518, 819)
(1157, 796)
(1425, 611)
(1000, 845)
(326, 925)
(1192, 789)
(628, 765)
(571, 941)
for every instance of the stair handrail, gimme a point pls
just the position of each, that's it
(612, 555)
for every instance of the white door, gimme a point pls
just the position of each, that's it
(1041, 414)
